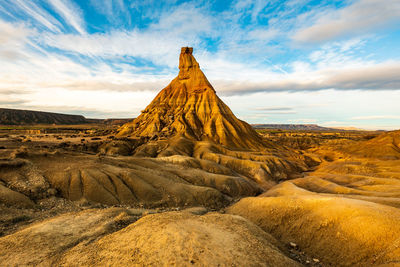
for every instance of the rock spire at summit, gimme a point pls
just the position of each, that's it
(189, 71)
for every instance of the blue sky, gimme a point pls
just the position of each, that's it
(334, 63)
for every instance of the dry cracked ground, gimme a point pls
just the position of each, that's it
(314, 199)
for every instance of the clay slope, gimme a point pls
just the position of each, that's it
(172, 181)
(384, 146)
(344, 212)
(338, 231)
(366, 170)
(189, 107)
(94, 238)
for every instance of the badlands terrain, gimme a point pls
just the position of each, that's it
(187, 183)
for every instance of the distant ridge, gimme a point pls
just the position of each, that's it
(348, 128)
(30, 117)
(294, 127)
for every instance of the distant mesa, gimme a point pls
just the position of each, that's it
(189, 107)
(15, 117)
(30, 117)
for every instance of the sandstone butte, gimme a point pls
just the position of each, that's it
(189, 107)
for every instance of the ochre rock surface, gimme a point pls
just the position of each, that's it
(336, 230)
(366, 170)
(189, 107)
(93, 238)
(183, 239)
(385, 146)
(345, 211)
(164, 181)
(40, 244)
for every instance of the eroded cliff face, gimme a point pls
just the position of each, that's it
(189, 107)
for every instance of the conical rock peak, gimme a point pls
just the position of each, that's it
(189, 107)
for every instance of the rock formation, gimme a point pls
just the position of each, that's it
(189, 107)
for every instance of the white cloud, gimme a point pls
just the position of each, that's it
(8, 101)
(278, 112)
(70, 13)
(252, 7)
(100, 103)
(11, 34)
(358, 18)
(378, 76)
(262, 34)
(377, 117)
(274, 108)
(333, 123)
(13, 38)
(185, 19)
(331, 67)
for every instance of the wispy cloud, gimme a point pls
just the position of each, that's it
(79, 110)
(37, 13)
(70, 13)
(360, 17)
(159, 43)
(7, 102)
(117, 12)
(278, 112)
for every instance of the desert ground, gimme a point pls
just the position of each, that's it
(187, 183)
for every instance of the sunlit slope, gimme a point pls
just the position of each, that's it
(94, 238)
(338, 231)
